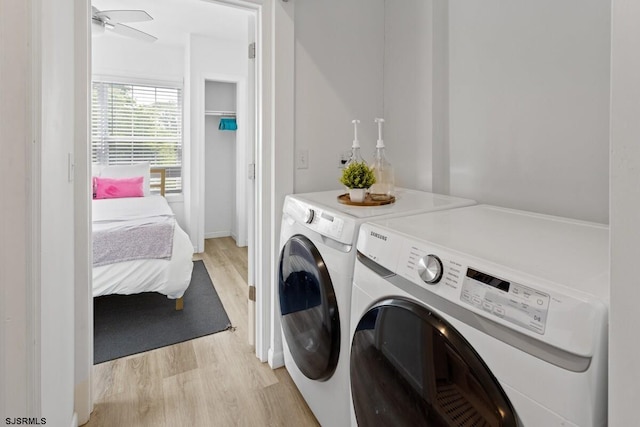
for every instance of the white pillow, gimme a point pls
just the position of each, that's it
(96, 169)
(129, 171)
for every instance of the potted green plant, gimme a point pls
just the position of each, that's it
(357, 176)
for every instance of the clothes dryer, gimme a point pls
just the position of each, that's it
(480, 316)
(317, 243)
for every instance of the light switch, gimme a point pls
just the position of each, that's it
(302, 159)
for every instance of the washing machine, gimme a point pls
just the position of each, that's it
(317, 245)
(480, 316)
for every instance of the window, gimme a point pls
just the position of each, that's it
(137, 123)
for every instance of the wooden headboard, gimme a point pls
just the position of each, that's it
(162, 173)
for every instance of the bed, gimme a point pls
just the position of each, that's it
(137, 244)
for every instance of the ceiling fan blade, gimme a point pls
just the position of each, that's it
(123, 30)
(118, 16)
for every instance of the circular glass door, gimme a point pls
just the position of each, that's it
(409, 367)
(308, 308)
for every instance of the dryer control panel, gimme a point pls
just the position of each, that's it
(508, 300)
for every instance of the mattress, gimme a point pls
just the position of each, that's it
(170, 277)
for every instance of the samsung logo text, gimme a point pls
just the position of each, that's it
(379, 236)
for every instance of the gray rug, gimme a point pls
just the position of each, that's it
(130, 324)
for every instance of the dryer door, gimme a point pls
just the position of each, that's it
(308, 308)
(409, 367)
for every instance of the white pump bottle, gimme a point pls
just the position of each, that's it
(384, 188)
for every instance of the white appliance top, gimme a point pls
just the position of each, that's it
(407, 202)
(571, 253)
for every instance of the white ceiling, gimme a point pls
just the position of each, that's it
(174, 19)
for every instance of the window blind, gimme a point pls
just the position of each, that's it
(136, 123)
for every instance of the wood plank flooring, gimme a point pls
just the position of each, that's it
(210, 381)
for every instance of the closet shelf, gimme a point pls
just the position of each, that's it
(219, 113)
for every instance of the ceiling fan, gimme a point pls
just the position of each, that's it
(113, 20)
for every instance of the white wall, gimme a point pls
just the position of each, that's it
(338, 78)
(219, 96)
(113, 55)
(529, 102)
(408, 91)
(220, 163)
(505, 103)
(624, 346)
(57, 216)
(220, 180)
(15, 167)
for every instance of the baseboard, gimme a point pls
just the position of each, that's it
(83, 401)
(240, 244)
(276, 360)
(216, 234)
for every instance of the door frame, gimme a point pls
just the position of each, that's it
(274, 174)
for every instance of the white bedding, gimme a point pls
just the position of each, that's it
(110, 211)
(169, 277)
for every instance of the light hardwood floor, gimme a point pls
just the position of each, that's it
(210, 381)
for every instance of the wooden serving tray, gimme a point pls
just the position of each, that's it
(368, 201)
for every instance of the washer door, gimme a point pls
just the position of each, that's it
(410, 367)
(308, 308)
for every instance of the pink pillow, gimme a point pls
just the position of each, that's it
(113, 188)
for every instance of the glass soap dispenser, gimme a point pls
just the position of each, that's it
(384, 188)
(356, 157)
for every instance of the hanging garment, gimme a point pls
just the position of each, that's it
(228, 123)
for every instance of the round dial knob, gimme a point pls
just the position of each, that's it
(308, 216)
(430, 269)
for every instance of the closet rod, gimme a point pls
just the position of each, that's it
(219, 113)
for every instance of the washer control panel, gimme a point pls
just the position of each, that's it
(326, 224)
(513, 302)
(315, 218)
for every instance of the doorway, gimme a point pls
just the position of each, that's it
(159, 69)
(274, 179)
